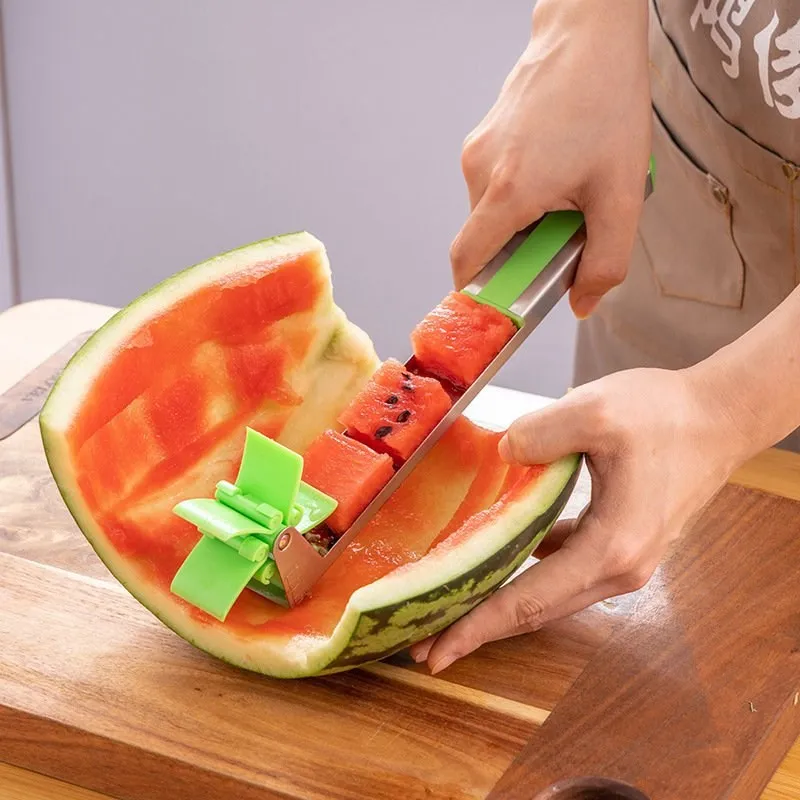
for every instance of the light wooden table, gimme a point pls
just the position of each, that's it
(30, 333)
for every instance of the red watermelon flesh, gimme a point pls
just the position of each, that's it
(459, 338)
(347, 471)
(395, 411)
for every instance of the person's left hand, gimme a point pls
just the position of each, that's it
(659, 445)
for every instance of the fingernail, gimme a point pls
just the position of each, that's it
(441, 664)
(422, 649)
(585, 305)
(504, 449)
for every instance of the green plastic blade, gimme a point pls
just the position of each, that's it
(315, 507)
(214, 518)
(213, 577)
(272, 591)
(530, 258)
(270, 472)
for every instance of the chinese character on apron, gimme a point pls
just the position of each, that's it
(718, 246)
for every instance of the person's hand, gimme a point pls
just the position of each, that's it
(659, 445)
(570, 130)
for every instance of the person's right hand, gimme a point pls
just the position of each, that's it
(570, 130)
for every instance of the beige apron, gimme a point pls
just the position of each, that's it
(719, 242)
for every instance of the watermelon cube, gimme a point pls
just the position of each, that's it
(459, 338)
(347, 471)
(395, 411)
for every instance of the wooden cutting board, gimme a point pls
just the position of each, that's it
(688, 689)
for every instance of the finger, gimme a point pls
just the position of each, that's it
(477, 181)
(555, 431)
(611, 224)
(598, 593)
(559, 534)
(552, 587)
(475, 164)
(487, 229)
(554, 540)
(419, 651)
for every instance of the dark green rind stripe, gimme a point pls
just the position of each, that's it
(385, 631)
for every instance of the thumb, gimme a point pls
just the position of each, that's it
(555, 431)
(611, 224)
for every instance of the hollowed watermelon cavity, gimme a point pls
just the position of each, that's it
(153, 409)
(395, 411)
(459, 338)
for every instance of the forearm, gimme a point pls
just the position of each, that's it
(623, 21)
(754, 383)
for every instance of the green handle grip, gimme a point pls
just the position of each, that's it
(530, 258)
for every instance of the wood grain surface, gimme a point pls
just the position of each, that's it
(88, 678)
(705, 674)
(95, 691)
(22, 784)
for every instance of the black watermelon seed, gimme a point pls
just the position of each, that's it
(403, 416)
(384, 430)
(408, 386)
(407, 375)
(391, 400)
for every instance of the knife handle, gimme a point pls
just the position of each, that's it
(503, 281)
(550, 248)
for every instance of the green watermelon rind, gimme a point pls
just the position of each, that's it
(395, 611)
(413, 602)
(384, 629)
(380, 618)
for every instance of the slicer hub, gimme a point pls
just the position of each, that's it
(243, 525)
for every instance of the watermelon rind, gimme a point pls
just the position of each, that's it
(380, 618)
(409, 604)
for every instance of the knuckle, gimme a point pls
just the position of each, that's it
(471, 155)
(625, 563)
(605, 275)
(521, 441)
(529, 612)
(456, 253)
(599, 412)
(634, 580)
(463, 646)
(621, 560)
(504, 184)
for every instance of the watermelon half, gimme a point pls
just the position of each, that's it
(153, 409)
